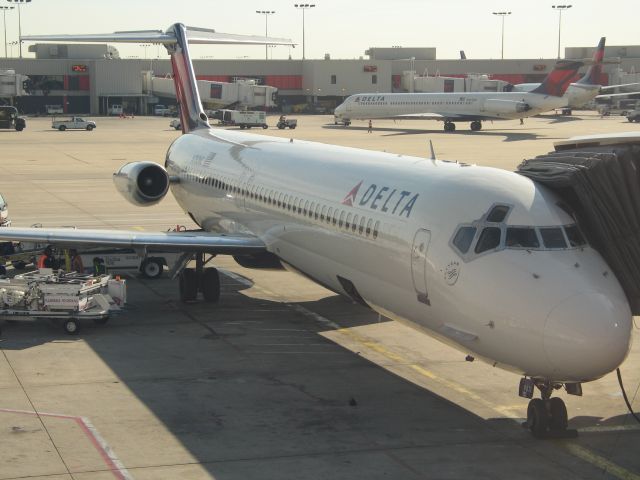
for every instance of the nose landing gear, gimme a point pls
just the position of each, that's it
(546, 417)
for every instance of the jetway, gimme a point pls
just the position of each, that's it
(11, 84)
(214, 95)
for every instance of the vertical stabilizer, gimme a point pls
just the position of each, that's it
(592, 77)
(558, 80)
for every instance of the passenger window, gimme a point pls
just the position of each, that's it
(498, 213)
(522, 237)
(464, 238)
(489, 239)
(575, 236)
(553, 238)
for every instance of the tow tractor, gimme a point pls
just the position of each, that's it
(66, 297)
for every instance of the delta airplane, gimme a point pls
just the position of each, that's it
(483, 259)
(584, 90)
(461, 107)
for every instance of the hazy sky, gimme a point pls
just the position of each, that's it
(346, 28)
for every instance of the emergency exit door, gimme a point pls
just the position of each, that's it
(419, 250)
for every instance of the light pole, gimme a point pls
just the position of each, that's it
(19, 2)
(266, 14)
(303, 7)
(4, 15)
(502, 15)
(560, 8)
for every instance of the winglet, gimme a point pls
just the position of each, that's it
(433, 153)
(558, 80)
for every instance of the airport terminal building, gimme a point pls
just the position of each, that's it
(90, 78)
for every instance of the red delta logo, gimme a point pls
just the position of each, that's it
(351, 196)
(385, 199)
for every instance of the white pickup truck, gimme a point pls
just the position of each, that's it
(73, 123)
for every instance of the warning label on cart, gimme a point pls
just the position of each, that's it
(61, 301)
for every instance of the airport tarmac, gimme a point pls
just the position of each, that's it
(282, 379)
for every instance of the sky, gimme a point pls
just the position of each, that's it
(346, 28)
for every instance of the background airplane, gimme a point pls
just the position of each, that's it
(455, 251)
(456, 107)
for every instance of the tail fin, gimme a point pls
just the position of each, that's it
(176, 40)
(592, 77)
(463, 56)
(558, 80)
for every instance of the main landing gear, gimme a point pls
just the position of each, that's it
(200, 279)
(476, 125)
(547, 417)
(449, 126)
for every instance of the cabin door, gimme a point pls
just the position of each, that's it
(419, 264)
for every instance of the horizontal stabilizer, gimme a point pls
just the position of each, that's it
(194, 35)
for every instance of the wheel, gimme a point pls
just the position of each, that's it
(210, 285)
(292, 127)
(100, 321)
(71, 327)
(449, 127)
(558, 411)
(19, 265)
(537, 417)
(177, 128)
(265, 126)
(151, 268)
(19, 129)
(242, 127)
(475, 125)
(89, 127)
(188, 285)
(62, 128)
(281, 127)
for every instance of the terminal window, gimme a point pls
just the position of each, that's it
(334, 79)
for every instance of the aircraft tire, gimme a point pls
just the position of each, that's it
(188, 284)
(559, 420)
(210, 285)
(537, 417)
(476, 125)
(62, 128)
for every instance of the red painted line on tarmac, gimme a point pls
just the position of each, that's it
(109, 458)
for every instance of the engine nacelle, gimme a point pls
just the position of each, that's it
(142, 183)
(506, 107)
(265, 261)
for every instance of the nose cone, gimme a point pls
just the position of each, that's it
(587, 335)
(339, 110)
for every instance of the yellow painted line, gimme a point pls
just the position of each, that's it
(599, 461)
(139, 228)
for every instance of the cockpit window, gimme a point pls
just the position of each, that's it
(575, 236)
(463, 238)
(498, 214)
(522, 237)
(553, 238)
(489, 239)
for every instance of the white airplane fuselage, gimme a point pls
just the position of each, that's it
(383, 225)
(454, 106)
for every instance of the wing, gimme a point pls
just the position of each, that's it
(188, 241)
(442, 116)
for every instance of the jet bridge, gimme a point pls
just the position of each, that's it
(598, 177)
(244, 93)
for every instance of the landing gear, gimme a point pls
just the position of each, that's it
(449, 126)
(199, 279)
(546, 417)
(476, 125)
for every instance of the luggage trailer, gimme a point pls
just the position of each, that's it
(66, 297)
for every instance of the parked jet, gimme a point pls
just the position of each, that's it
(584, 90)
(456, 107)
(477, 257)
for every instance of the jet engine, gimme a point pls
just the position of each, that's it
(505, 106)
(142, 183)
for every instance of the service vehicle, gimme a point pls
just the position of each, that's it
(161, 110)
(634, 116)
(9, 118)
(287, 123)
(175, 123)
(243, 119)
(123, 260)
(4, 213)
(115, 109)
(68, 297)
(76, 123)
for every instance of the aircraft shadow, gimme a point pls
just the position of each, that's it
(392, 132)
(252, 389)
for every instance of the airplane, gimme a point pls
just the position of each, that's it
(477, 257)
(457, 107)
(584, 90)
